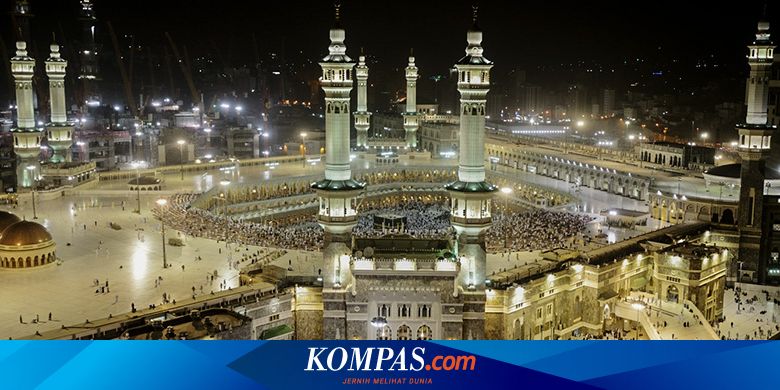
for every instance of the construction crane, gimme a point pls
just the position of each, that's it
(185, 70)
(125, 80)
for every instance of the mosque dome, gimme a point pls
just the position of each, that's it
(7, 219)
(25, 233)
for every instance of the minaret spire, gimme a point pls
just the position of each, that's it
(411, 120)
(755, 142)
(362, 115)
(337, 193)
(59, 133)
(27, 138)
(471, 195)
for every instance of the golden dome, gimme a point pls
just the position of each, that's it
(24, 233)
(7, 219)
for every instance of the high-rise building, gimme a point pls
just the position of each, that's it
(608, 102)
(22, 16)
(88, 52)
(531, 99)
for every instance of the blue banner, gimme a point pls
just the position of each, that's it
(341, 364)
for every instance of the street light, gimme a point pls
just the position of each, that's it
(181, 143)
(303, 148)
(162, 202)
(506, 191)
(639, 307)
(137, 166)
(31, 168)
(379, 322)
(225, 183)
(739, 274)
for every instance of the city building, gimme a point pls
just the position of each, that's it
(674, 155)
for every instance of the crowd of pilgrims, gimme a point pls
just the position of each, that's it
(243, 194)
(427, 216)
(291, 232)
(534, 194)
(423, 220)
(534, 230)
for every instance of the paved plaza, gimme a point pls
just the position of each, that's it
(750, 320)
(130, 259)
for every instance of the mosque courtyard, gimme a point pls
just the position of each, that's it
(130, 258)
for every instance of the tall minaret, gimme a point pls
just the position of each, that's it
(59, 134)
(362, 116)
(27, 138)
(471, 195)
(755, 138)
(55, 70)
(410, 115)
(337, 193)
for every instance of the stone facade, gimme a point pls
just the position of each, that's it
(579, 296)
(403, 299)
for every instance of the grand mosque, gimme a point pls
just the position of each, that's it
(391, 243)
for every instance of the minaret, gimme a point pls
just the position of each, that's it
(58, 132)
(337, 193)
(470, 195)
(362, 116)
(27, 138)
(754, 149)
(410, 115)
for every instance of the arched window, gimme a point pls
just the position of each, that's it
(384, 333)
(519, 329)
(424, 333)
(404, 332)
(672, 294)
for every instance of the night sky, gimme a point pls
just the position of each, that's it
(518, 34)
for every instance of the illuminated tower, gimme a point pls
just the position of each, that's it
(58, 132)
(337, 193)
(470, 195)
(754, 149)
(27, 138)
(21, 17)
(410, 115)
(88, 70)
(362, 116)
